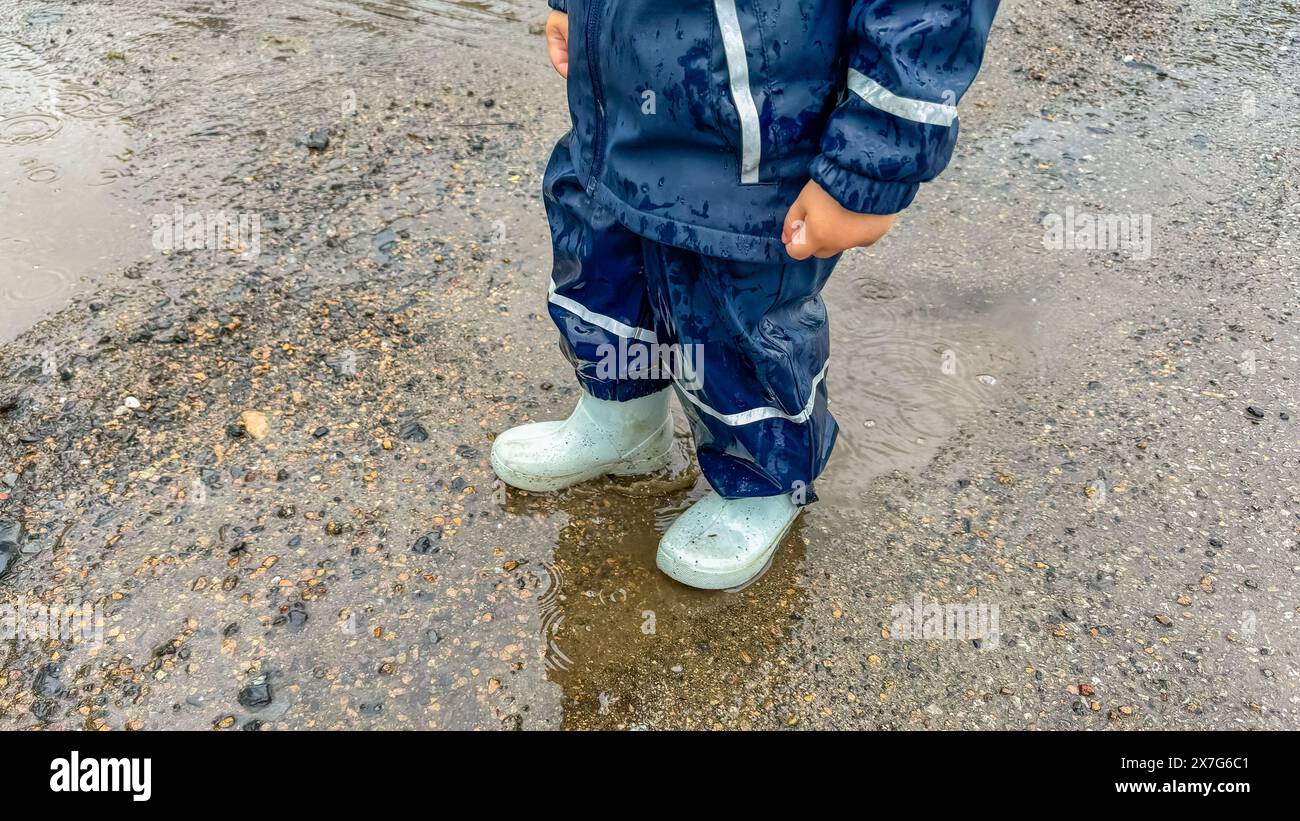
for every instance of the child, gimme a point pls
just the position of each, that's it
(724, 153)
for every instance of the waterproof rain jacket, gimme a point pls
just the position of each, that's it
(697, 122)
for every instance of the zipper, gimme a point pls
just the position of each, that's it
(751, 131)
(593, 68)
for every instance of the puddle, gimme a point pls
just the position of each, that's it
(620, 635)
(452, 16)
(65, 156)
(907, 375)
(68, 174)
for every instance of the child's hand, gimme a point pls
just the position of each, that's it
(557, 42)
(817, 225)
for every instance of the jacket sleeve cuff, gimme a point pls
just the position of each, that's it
(559, 5)
(862, 194)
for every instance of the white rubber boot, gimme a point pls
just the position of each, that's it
(723, 543)
(599, 437)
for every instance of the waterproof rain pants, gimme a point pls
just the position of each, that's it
(744, 344)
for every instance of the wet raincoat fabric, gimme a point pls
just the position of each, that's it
(695, 126)
(746, 344)
(698, 121)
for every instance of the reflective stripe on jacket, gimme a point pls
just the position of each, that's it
(697, 122)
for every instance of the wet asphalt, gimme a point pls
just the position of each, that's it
(267, 472)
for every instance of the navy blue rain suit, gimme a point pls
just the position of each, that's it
(696, 123)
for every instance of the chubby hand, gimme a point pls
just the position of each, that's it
(557, 42)
(817, 225)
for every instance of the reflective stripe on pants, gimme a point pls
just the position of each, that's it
(756, 336)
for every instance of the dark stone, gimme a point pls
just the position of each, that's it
(48, 682)
(256, 694)
(428, 543)
(11, 534)
(414, 432)
(295, 617)
(318, 139)
(385, 241)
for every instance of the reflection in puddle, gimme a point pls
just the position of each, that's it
(616, 629)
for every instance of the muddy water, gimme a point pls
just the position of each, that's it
(66, 174)
(447, 18)
(75, 211)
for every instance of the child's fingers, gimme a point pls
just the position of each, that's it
(798, 234)
(557, 42)
(800, 246)
(560, 60)
(558, 50)
(795, 226)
